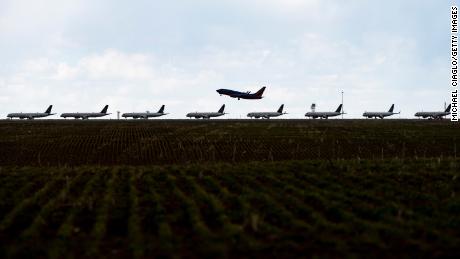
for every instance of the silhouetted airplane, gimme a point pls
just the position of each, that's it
(325, 115)
(31, 115)
(434, 115)
(86, 115)
(267, 115)
(380, 115)
(242, 95)
(145, 115)
(207, 115)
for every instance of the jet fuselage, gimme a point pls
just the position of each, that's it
(264, 115)
(434, 115)
(267, 115)
(325, 115)
(380, 115)
(142, 115)
(242, 95)
(207, 115)
(84, 116)
(29, 116)
(204, 115)
(322, 115)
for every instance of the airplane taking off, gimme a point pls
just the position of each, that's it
(31, 116)
(434, 115)
(242, 95)
(325, 115)
(267, 115)
(145, 115)
(380, 115)
(207, 115)
(85, 116)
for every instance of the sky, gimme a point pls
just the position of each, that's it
(137, 55)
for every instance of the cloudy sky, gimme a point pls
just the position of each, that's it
(137, 55)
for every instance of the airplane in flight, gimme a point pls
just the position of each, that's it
(31, 116)
(86, 115)
(267, 115)
(207, 115)
(325, 115)
(434, 115)
(242, 95)
(145, 115)
(381, 115)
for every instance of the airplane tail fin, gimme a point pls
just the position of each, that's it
(448, 108)
(260, 92)
(221, 110)
(280, 109)
(339, 109)
(391, 108)
(161, 109)
(49, 109)
(105, 109)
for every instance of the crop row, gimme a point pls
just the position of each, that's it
(73, 144)
(276, 208)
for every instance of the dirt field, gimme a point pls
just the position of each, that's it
(229, 189)
(159, 142)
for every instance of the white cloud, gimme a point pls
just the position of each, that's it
(113, 64)
(130, 81)
(38, 25)
(281, 6)
(65, 72)
(304, 51)
(109, 65)
(287, 5)
(21, 17)
(315, 70)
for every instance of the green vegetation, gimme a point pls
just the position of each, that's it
(229, 189)
(72, 143)
(293, 208)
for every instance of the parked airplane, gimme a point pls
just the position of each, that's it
(207, 115)
(381, 115)
(325, 115)
(242, 95)
(145, 115)
(31, 116)
(87, 115)
(434, 115)
(267, 115)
